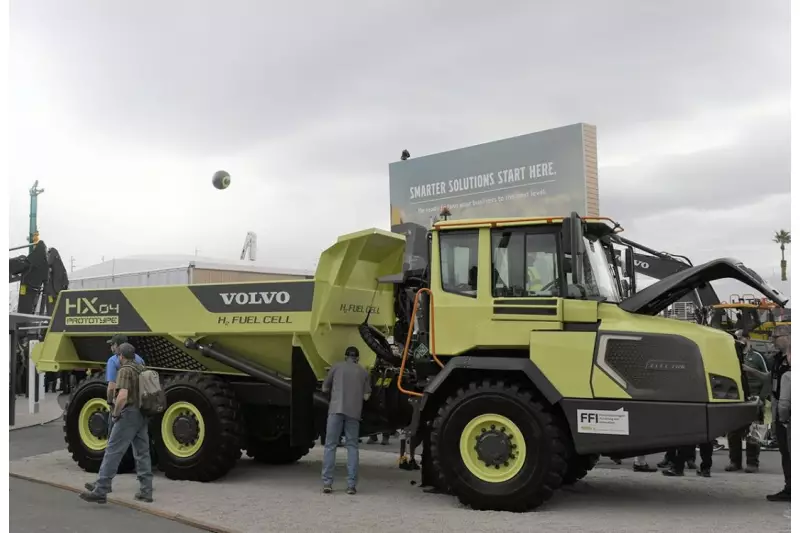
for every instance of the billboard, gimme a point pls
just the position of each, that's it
(548, 173)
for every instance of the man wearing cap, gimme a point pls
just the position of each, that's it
(348, 383)
(130, 428)
(112, 367)
(114, 363)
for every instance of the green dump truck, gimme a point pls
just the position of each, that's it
(513, 387)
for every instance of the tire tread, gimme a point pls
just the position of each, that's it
(228, 450)
(530, 497)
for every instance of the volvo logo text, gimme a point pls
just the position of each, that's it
(255, 298)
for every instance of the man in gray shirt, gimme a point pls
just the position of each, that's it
(348, 383)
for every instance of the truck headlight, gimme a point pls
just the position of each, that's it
(723, 388)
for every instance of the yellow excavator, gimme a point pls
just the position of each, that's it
(756, 315)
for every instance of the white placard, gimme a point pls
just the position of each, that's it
(602, 422)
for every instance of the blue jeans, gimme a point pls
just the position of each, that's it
(337, 423)
(130, 429)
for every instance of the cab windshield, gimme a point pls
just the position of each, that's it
(599, 276)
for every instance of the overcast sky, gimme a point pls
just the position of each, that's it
(123, 110)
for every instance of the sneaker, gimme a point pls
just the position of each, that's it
(142, 497)
(672, 472)
(351, 490)
(782, 496)
(644, 468)
(733, 467)
(664, 464)
(704, 472)
(93, 497)
(327, 489)
(691, 465)
(751, 469)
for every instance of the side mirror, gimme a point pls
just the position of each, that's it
(572, 243)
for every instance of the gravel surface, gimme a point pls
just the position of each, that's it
(257, 498)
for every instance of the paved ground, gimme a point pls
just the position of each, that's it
(34, 507)
(50, 407)
(612, 499)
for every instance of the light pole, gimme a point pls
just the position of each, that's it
(34, 192)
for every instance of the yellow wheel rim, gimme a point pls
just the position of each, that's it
(171, 415)
(504, 431)
(95, 405)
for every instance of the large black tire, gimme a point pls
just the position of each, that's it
(542, 466)
(222, 442)
(277, 452)
(88, 458)
(578, 466)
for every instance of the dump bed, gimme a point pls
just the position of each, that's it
(259, 321)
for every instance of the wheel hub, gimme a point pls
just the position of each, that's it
(494, 446)
(98, 424)
(186, 429)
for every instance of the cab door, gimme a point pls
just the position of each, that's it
(525, 279)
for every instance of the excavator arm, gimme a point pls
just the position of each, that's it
(659, 265)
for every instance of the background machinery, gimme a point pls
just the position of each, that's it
(41, 276)
(513, 385)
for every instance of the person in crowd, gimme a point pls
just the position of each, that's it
(781, 412)
(752, 445)
(373, 439)
(640, 464)
(129, 429)
(689, 461)
(684, 457)
(349, 387)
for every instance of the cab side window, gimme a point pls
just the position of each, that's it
(541, 265)
(524, 264)
(459, 260)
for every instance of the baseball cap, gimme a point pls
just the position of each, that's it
(118, 338)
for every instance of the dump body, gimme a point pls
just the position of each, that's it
(259, 321)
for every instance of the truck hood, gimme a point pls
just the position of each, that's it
(660, 295)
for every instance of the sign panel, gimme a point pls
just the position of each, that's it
(549, 173)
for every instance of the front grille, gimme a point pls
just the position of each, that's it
(663, 367)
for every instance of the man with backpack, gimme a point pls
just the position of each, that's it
(138, 396)
(112, 368)
(113, 364)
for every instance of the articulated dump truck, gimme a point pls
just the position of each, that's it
(517, 361)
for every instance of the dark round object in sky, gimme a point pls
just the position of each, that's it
(221, 179)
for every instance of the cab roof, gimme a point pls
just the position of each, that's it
(603, 224)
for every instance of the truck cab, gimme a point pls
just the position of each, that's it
(520, 324)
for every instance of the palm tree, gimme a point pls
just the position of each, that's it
(783, 238)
